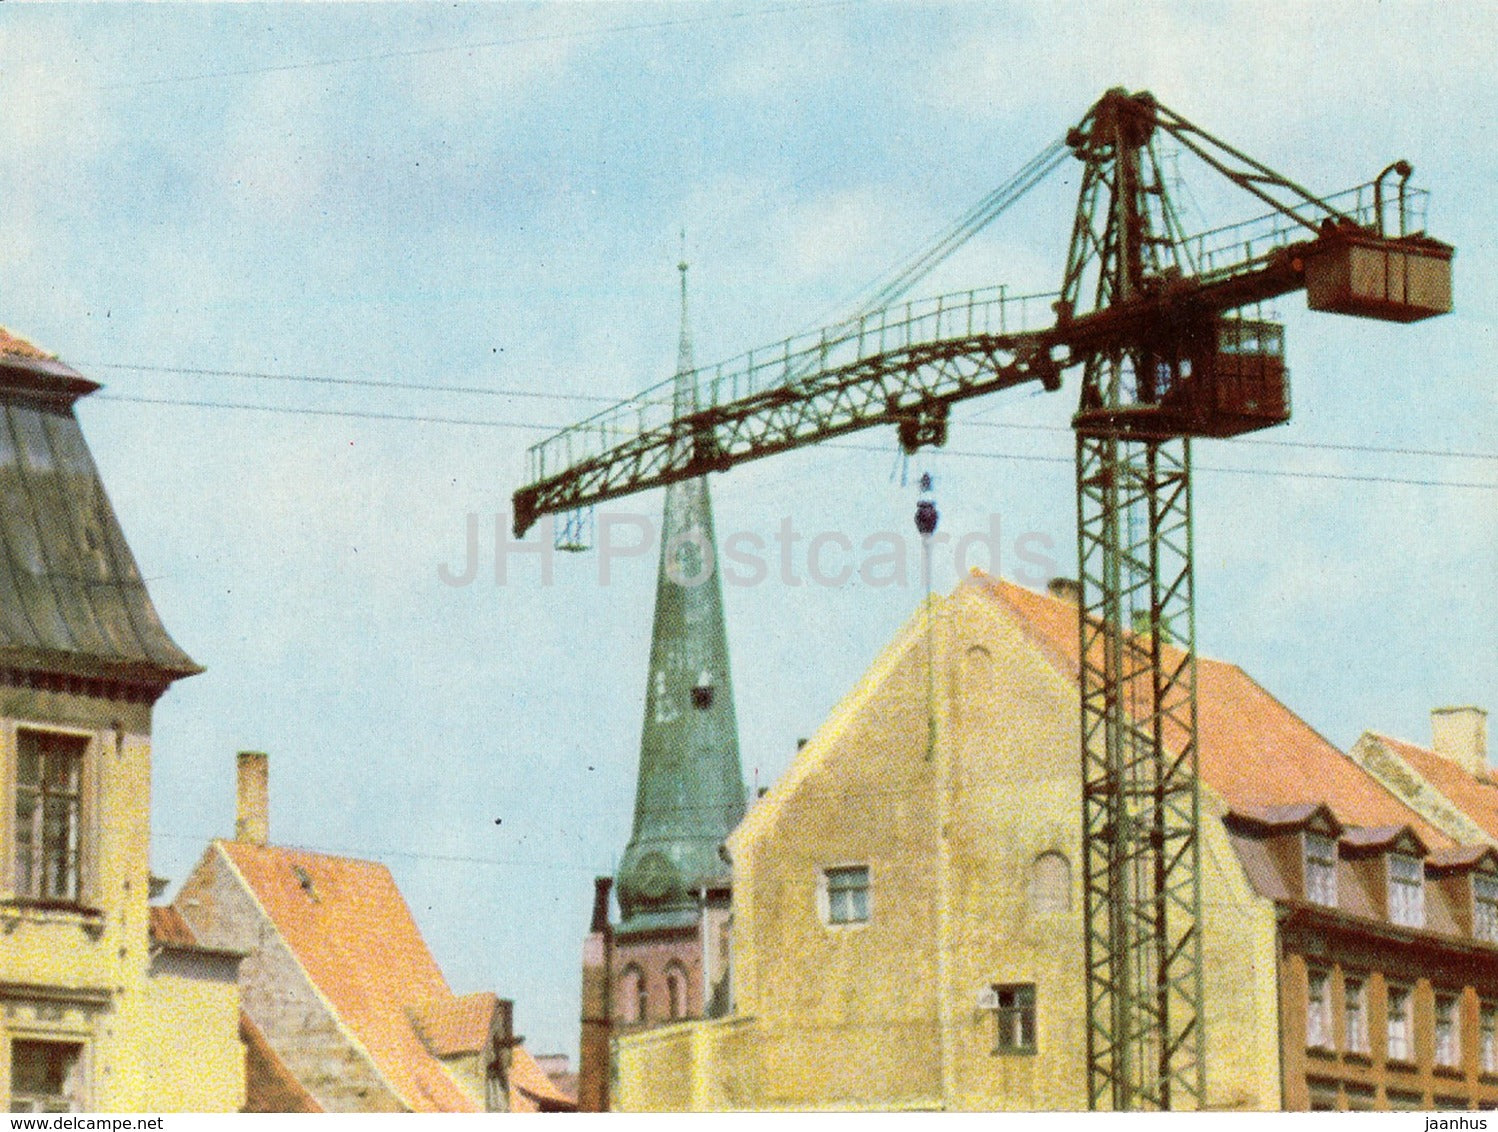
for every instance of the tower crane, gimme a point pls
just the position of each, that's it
(1164, 329)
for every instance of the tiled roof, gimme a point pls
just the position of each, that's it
(168, 927)
(17, 346)
(1477, 797)
(1462, 856)
(531, 1090)
(452, 1025)
(72, 600)
(348, 925)
(268, 1085)
(1254, 753)
(1374, 837)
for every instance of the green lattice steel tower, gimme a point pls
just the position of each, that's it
(690, 792)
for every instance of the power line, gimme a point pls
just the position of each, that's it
(483, 45)
(1313, 445)
(355, 413)
(536, 426)
(375, 855)
(363, 383)
(505, 392)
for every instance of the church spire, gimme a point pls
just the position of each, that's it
(686, 378)
(690, 792)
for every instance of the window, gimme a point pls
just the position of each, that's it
(1448, 1034)
(1488, 1027)
(49, 778)
(1318, 1011)
(1050, 884)
(1406, 890)
(1403, 1101)
(848, 895)
(676, 991)
(1016, 1018)
(1323, 1094)
(1355, 1016)
(1321, 870)
(1485, 908)
(1399, 1024)
(633, 1002)
(1360, 1098)
(45, 1076)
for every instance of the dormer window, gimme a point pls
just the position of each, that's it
(1485, 907)
(1406, 890)
(1321, 870)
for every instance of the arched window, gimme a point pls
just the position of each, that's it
(1050, 884)
(676, 991)
(633, 1001)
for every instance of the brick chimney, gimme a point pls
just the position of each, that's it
(252, 820)
(1461, 735)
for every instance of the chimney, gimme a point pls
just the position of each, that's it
(1066, 589)
(1460, 734)
(252, 822)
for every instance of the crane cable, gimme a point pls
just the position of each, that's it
(989, 209)
(888, 288)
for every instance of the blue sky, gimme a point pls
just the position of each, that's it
(491, 195)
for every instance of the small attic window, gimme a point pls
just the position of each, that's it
(1321, 869)
(1406, 890)
(1485, 907)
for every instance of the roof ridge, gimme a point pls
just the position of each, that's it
(837, 720)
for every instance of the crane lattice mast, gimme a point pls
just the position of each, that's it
(1159, 323)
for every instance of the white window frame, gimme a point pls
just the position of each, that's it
(1017, 1018)
(840, 904)
(1487, 1030)
(1398, 1040)
(1320, 862)
(86, 852)
(1448, 1030)
(1406, 890)
(1485, 907)
(1355, 1014)
(1319, 1034)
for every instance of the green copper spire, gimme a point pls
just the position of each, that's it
(690, 793)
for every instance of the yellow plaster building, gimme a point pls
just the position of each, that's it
(906, 928)
(96, 1011)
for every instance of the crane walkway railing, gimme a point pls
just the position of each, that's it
(983, 312)
(1227, 250)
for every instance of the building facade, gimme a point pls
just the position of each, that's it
(345, 1008)
(96, 1013)
(906, 901)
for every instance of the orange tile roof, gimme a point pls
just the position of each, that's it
(450, 1025)
(1254, 752)
(269, 1086)
(348, 925)
(1475, 797)
(531, 1090)
(168, 927)
(18, 347)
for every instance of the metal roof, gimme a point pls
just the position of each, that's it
(72, 601)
